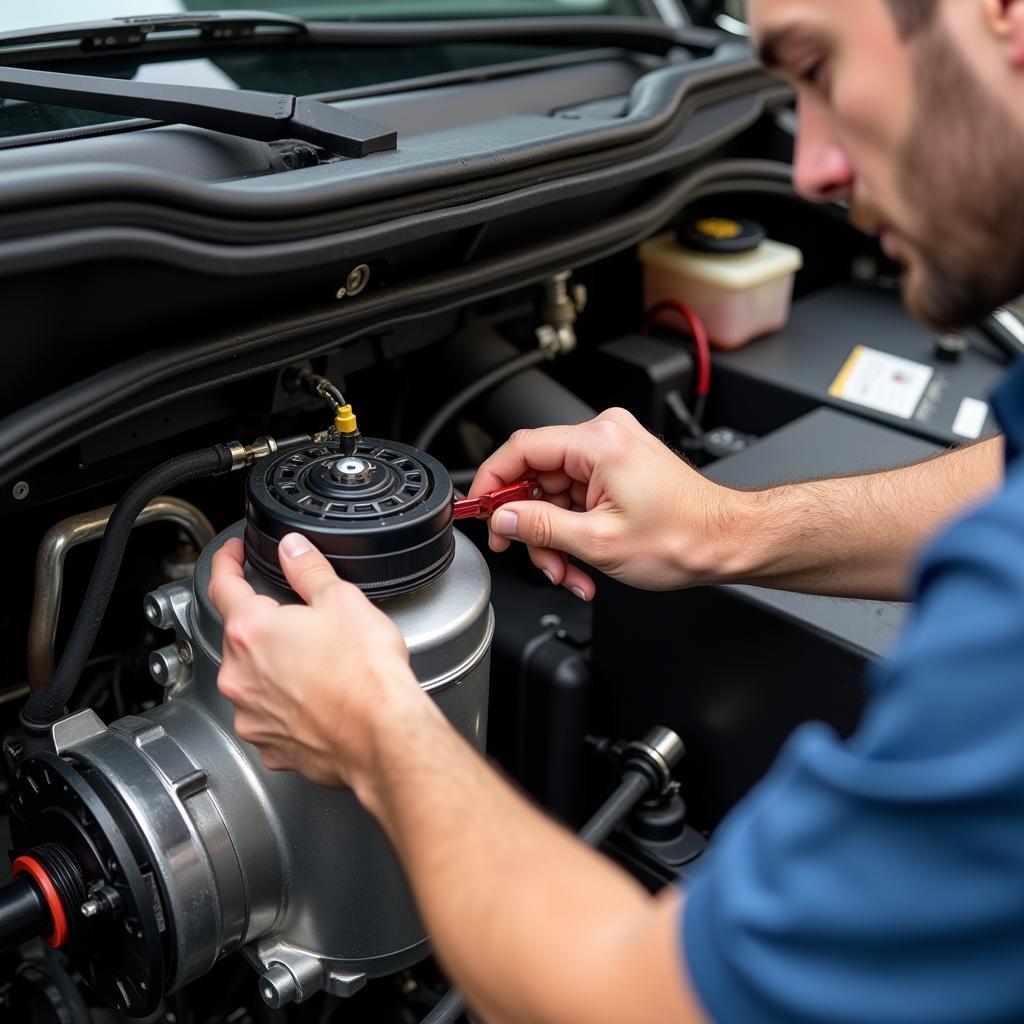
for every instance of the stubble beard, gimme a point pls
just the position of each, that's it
(962, 171)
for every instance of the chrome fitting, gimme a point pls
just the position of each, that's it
(243, 455)
(561, 306)
(661, 749)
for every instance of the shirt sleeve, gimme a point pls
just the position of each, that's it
(882, 879)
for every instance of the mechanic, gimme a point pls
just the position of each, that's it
(877, 879)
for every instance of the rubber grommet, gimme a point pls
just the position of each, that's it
(31, 867)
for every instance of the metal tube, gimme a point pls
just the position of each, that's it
(53, 549)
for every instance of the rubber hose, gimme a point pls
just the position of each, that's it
(449, 1010)
(633, 788)
(47, 705)
(471, 392)
(23, 913)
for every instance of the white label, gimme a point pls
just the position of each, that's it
(882, 381)
(970, 420)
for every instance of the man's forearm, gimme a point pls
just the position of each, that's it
(856, 536)
(532, 926)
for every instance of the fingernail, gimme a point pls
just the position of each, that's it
(294, 545)
(551, 579)
(505, 523)
(579, 593)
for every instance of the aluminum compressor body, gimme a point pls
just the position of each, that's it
(235, 856)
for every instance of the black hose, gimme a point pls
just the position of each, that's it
(480, 386)
(448, 1010)
(23, 913)
(634, 787)
(47, 705)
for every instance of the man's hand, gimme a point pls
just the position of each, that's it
(622, 502)
(310, 682)
(618, 499)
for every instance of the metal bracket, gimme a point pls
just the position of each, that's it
(76, 729)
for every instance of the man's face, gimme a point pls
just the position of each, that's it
(910, 135)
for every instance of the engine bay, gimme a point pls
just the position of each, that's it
(193, 372)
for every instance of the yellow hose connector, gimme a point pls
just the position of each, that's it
(345, 420)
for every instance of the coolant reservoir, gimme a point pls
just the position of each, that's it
(737, 281)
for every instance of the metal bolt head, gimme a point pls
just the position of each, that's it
(20, 490)
(185, 651)
(356, 282)
(91, 907)
(277, 986)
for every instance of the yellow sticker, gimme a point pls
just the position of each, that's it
(883, 382)
(839, 384)
(719, 228)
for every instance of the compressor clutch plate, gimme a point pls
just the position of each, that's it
(382, 514)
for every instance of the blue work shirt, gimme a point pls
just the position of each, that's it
(881, 878)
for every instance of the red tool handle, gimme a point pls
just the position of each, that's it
(481, 507)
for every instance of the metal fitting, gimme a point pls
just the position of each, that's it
(167, 667)
(246, 454)
(561, 306)
(184, 651)
(356, 282)
(104, 902)
(661, 750)
(278, 986)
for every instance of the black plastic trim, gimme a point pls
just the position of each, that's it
(660, 100)
(323, 241)
(146, 381)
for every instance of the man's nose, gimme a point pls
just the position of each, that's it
(822, 171)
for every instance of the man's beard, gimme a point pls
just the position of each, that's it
(962, 169)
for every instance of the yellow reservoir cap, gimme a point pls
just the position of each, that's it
(719, 227)
(345, 420)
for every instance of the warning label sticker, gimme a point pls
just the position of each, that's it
(878, 380)
(971, 418)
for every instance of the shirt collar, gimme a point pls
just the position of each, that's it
(1008, 402)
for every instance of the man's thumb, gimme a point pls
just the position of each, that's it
(541, 525)
(308, 572)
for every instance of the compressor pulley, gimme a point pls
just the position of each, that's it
(382, 513)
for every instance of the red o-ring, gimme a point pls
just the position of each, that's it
(59, 935)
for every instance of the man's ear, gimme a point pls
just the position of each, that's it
(1005, 19)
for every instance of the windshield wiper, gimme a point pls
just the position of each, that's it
(263, 116)
(129, 33)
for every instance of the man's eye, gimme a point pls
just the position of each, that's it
(813, 73)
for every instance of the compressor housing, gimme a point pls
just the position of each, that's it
(176, 845)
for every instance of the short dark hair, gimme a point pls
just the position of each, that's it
(912, 15)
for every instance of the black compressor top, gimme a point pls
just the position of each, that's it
(382, 515)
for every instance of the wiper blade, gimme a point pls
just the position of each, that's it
(263, 116)
(129, 33)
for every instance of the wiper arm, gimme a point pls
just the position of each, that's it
(263, 116)
(128, 33)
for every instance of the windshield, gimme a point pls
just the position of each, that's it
(56, 12)
(310, 69)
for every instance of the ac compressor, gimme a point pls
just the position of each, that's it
(160, 843)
